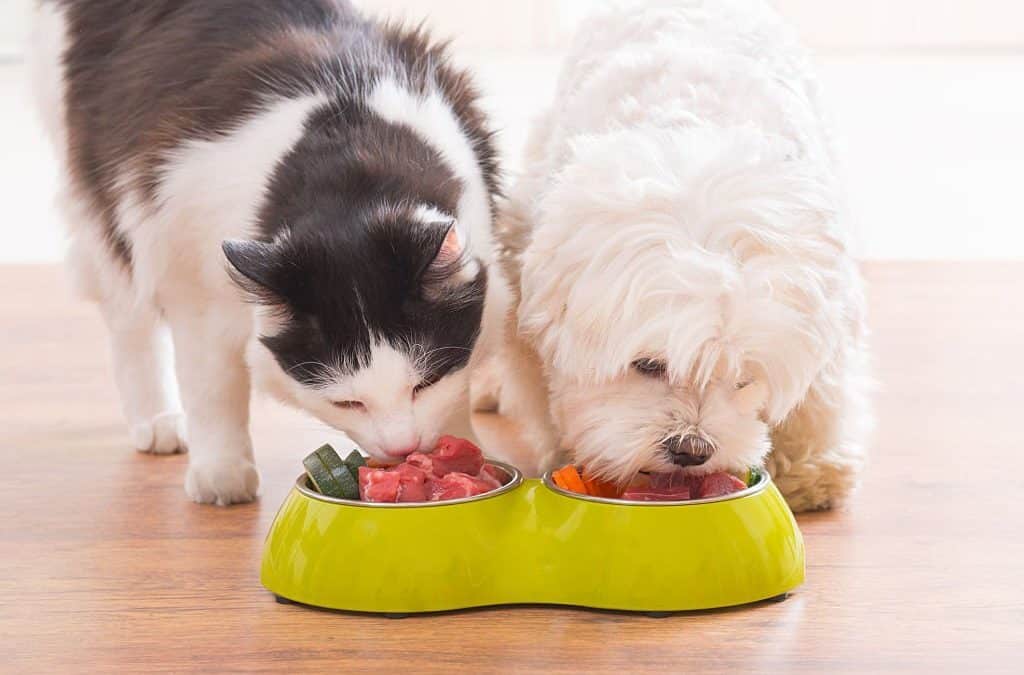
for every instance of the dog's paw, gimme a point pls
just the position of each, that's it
(223, 482)
(164, 434)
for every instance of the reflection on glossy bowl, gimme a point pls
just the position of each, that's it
(530, 542)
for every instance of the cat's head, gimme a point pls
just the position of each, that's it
(368, 326)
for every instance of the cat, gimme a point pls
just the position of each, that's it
(283, 186)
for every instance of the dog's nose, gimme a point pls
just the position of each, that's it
(688, 450)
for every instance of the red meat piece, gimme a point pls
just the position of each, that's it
(653, 494)
(456, 455)
(422, 461)
(718, 484)
(668, 480)
(455, 469)
(379, 485)
(457, 485)
(415, 485)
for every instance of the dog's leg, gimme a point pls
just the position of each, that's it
(138, 341)
(209, 343)
(819, 449)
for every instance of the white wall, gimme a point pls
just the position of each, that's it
(827, 24)
(13, 26)
(867, 24)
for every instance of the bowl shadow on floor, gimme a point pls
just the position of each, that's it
(539, 606)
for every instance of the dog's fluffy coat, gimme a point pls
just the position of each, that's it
(680, 207)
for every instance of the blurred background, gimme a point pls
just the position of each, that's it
(928, 95)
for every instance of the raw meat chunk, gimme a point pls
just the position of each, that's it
(457, 485)
(456, 454)
(414, 483)
(652, 494)
(379, 485)
(718, 484)
(453, 470)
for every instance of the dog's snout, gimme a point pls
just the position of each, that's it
(689, 450)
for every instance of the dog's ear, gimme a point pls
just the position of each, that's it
(751, 398)
(254, 267)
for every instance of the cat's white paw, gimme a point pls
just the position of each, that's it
(162, 435)
(223, 482)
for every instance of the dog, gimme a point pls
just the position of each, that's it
(682, 289)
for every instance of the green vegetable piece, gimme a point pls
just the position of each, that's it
(329, 456)
(348, 482)
(330, 475)
(320, 476)
(355, 460)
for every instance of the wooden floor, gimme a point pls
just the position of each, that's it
(104, 564)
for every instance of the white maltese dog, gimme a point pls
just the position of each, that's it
(682, 293)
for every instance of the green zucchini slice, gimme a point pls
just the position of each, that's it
(330, 475)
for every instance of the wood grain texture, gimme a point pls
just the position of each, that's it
(105, 565)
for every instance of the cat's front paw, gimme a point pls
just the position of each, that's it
(222, 482)
(164, 434)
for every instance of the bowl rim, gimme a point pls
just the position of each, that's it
(515, 481)
(763, 480)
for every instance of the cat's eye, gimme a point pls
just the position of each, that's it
(350, 405)
(650, 367)
(421, 386)
(743, 383)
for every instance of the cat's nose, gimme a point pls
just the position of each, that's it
(402, 451)
(688, 450)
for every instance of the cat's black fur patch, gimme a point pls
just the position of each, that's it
(367, 285)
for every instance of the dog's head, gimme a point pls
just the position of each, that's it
(368, 327)
(677, 289)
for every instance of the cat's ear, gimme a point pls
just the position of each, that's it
(254, 266)
(452, 246)
(452, 264)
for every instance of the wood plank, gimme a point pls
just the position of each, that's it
(104, 564)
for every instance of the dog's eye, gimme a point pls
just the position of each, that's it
(650, 367)
(349, 405)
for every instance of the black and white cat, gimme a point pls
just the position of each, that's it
(342, 167)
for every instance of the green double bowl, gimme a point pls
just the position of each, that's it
(531, 542)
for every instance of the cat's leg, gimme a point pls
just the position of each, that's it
(818, 451)
(139, 348)
(210, 339)
(523, 400)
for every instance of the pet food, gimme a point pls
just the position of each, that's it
(453, 470)
(654, 487)
(333, 476)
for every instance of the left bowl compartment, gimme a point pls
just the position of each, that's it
(396, 558)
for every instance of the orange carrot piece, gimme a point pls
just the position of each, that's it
(556, 478)
(568, 478)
